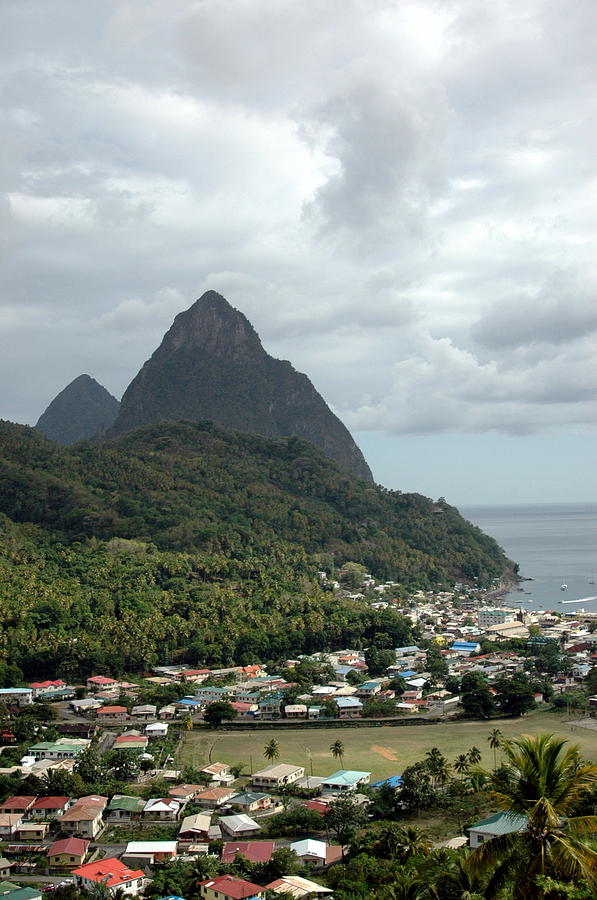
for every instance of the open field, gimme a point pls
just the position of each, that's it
(371, 749)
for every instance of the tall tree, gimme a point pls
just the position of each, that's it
(543, 780)
(271, 751)
(495, 742)
(337, 749)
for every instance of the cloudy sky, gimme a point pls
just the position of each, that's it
(399, 195)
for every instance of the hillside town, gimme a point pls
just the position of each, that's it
(474, 656)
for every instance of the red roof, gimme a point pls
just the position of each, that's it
(50, 803)
(130, 738)
(319, 806)
(111, 709)
(253, 851)
(109, 871)
(101, 679)
(20, 804)
(43, 684)
(74, 846)
(231, 886)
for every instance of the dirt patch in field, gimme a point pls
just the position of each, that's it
(385, 752)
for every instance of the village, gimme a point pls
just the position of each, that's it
(277, 815)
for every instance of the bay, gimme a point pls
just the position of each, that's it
(553, 544)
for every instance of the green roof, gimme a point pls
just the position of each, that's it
(500, 823)
(22, 893)
(346, 777)
(6, 886)
(130, 803)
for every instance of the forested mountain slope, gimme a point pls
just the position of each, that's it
(188, 540)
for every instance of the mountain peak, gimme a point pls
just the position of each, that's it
(211, 365)
(212, 325)
(78, 412)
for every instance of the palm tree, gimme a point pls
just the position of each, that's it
(401, 842)
(495, 742)
(462, 764)
(474, 756)
(337, 749)
(542, 780)
(438, 766)
(271, 751)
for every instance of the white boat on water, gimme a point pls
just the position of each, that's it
(581, 600)
(563, 587)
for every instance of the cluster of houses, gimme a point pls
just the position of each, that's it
(225, 813)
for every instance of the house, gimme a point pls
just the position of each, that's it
(149, 852)
(16, 892)
(41, 688)
(214, 796)
(16, 696)
(498, 824)
(368, 689)
(163, 808)
(86, 705)
(9, 824)
(295, 711)
(130, 740)
(5, 867)
(63, 748)
(67, 852)
(296, 886)
(393, 781)
(344, 781)
(122, 808)
(32, 831)
(49, 807)
(146, 712)
(77, 729)
(274, 777)
(253, 851)
(239, 826)
(111, 872)
(185, 792)
(156, 729)
(349, 707)
(111, 713)
(195, 828)
(84, 818)
(228, 887)
(17, 805)
(218, 772)
(210, 694)
(317, 852)
(251, 802)
(466, 648)
(100, 682)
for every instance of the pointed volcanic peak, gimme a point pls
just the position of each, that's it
(212, 365)
(79, 412)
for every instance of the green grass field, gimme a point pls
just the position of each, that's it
(371, 749)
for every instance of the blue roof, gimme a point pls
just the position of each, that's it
(393, 781)
(347, 702)
(465, 645)
(408, 674)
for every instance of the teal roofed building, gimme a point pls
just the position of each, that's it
(500, 823)
(343, 781)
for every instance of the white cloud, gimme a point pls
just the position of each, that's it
(400, 197)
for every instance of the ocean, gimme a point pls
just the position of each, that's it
(554, 544)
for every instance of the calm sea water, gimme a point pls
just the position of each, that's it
(554, 544)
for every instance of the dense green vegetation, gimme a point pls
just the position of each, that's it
(190, 542)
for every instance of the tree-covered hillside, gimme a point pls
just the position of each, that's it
(191, 541)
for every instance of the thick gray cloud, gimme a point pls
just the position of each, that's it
(400, 196)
